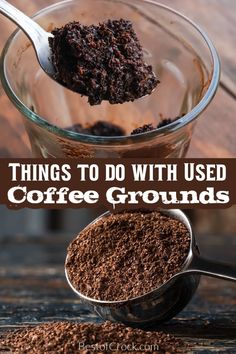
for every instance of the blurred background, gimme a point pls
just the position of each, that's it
(39, 223)
(28, 229)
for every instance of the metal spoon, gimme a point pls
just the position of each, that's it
(37, 35)
(166, 301)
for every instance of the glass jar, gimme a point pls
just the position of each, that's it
(182, 56)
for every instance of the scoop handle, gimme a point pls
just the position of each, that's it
(211, 268)
(30, 27)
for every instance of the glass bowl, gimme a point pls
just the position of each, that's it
(182, 56)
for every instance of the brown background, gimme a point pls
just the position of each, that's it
(33, 287)
(216, 130)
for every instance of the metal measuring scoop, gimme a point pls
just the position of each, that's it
(164, 302)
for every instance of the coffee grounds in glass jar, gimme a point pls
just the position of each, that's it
(100, 128)
(73, 338)
(127, 254)
(165, 122)
(104, 62)
(149, 127)
(104, 128)
(144, 129)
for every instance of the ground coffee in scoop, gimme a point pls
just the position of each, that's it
(127, 254)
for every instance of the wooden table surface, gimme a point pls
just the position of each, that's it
(216, 138)
(33, 289)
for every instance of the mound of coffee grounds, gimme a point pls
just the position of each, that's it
(78, 128)
(149, 127)
(100, 128)
(103, 62)
(165, 122)
(127, 254)
(106, 129)
(145, 128)
(84, 338)
(103, 128)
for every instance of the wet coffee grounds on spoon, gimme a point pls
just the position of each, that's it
(127, 254)
(104, 62)
(73, 338)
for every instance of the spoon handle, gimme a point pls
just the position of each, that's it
(213, 269)
(35, 33)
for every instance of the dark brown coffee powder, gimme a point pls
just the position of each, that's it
(145, 128)
(100, 128)
(104, 62)
(104, 128)
(149, 127)
(84, 338)
(127, 254)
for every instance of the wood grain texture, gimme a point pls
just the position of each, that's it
(215, 131)
(214, 135)
(217, 18)
(34, 290)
